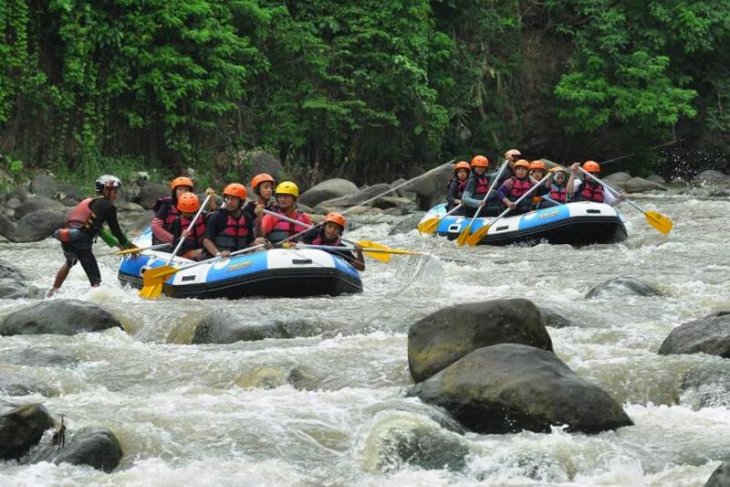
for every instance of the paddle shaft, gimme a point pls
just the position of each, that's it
(190, 227)
(297, 222)
(368, 249)
(489, 192)
(519, 200)
(615, 192)
(137, 250)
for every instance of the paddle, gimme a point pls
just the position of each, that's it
(362, 243)
(142, 249)
(430, 225)
(369, 250)
(660, 222)
(474, 238)
(152, 291)
(461, 239)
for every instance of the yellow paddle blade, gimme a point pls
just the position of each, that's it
(158, 275)
(429, 226)
(461, 239)
(477, 236)
(659, 221)
(374, 246)
(151, 292)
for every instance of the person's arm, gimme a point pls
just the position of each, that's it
(502, 193)
(110, 217)
(573, 181)
(467, 198)
(212, 202)
(158, 223)
(108, 238)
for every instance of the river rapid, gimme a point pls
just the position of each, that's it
(229, 414)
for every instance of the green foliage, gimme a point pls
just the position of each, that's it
(632, 63)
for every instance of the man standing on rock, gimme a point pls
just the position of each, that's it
(83, 225)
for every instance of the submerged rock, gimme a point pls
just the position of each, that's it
(13, 283)
(21, 428)
(443, 337)
(96, 447)
(16, 385)
(227, 327)
(510, 387)
(60, 317)
(622, 286)
(710, 335)
(721, 476)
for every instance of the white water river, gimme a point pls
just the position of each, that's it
(203, 415)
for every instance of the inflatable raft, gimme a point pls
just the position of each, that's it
(275, 272)
(578, 223)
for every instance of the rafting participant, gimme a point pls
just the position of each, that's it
(166, 209)
(587, 189)
(228, 229)
(456, 186)
(557, 182)
(511, 156)
(83, 225)
(477, 187)
(263, 185)
(275, 229)
(514, 187)
(330, 234)
(537, 172)
(188, 205)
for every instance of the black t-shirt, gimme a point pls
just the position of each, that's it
(106, 212)
(218, 221)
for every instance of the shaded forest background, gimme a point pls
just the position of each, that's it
(369, 90)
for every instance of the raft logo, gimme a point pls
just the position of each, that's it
(550, 213)
(239, 265)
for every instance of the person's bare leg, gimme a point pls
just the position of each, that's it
(61, 276)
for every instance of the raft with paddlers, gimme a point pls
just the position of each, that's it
(577, 224)
(276, 272)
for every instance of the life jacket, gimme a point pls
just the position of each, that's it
(519, 187)
(558, 193)
(195, 239)
(284, 229)
(461, 185)
(481, 187)
(82, 216)
(319, 240)
(590, 191)
(172, 211)
(235, 235)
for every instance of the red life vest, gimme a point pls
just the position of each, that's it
(285, 229)
(590, 191)
(481, 187)
(81, 216)
(321, 241)
(558, 193)
(235, 235)
(195, 239)
(172, 211)
(519, 187)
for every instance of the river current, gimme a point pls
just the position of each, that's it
(230, 415)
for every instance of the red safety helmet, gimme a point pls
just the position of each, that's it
(479, 161)
(261, 178)
(181, 181)
(591, 166)
(188, 203)
(336, 218)
(237, 190)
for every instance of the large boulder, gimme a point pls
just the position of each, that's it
(363, 195)
(721, 476)
(21, 428)
(641, 185)
(58, 316)
(96, 447)
(39, 357)
(711, 177)
(622, 286)
(399, 438)
(431, 186)
(39, 225)
(441, 338)
(617, 178)
(261, 161)
(35, 203)
(149, 194)
(7, 227)
(710, 335)
(510, 387)
(48, 187)
(13, 283)
(228, 327)
(327, 190)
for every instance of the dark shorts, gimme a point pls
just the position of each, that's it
(80, 251)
